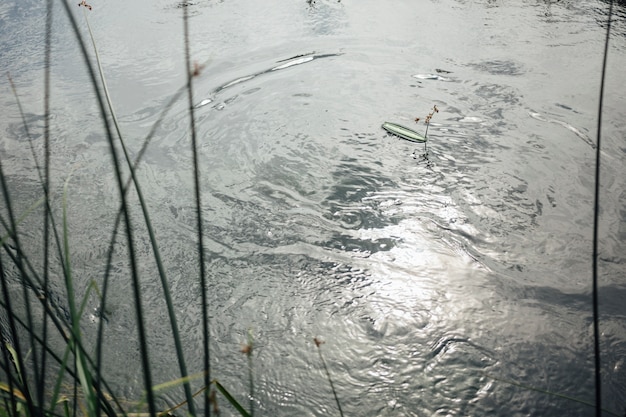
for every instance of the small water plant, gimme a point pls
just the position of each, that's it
(427, 120)
(410, 134)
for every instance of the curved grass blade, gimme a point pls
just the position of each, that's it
(7, 299)
(164, 284)
(596, 217)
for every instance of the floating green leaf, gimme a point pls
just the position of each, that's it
(403, 132)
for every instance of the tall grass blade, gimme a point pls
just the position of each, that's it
(46, 185)
(81, 366)
(143, 344)
(38, 371)
(199, 226)
(596, 215)
(56, 391)
(19, 357)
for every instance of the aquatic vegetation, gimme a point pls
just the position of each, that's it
(410, 134)
(403, 132)
(77, 384)
(83, 369)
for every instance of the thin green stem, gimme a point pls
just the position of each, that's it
(46, 185)
(199, 225)
(81, 364)
(37, 374)
(15, 337)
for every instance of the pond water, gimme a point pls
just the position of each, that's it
(432, 282)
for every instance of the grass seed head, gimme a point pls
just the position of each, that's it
(246, 349)
(84, 3)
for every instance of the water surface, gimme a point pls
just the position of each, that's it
(425, 278)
